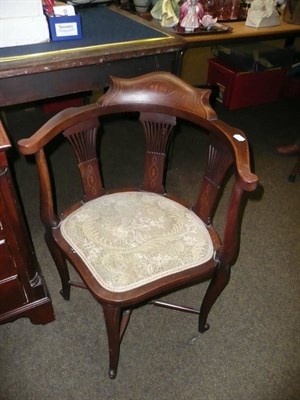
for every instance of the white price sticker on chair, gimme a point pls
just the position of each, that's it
(239, 137)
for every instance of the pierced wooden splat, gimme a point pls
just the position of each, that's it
(157, 128)
(83, 138)
(218, 162)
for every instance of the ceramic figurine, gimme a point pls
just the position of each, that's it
(167, 12)
(190, 15)
(262, 13)
(208, 21)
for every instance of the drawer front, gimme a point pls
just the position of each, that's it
(2, 232)
(11, 295)
(7, 266)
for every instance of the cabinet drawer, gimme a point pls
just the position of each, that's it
(7, 266)
(11, 295)
(2, 231)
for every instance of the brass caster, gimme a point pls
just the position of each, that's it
(65, 293)
(206, 328)
(112, 373)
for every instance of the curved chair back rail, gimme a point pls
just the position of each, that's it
(131, 245)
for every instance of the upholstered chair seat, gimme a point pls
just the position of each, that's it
(129, 239)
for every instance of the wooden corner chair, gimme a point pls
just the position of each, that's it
(132, 245)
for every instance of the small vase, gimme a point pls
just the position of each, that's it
(223, 10)
(234, 9)
(141, 6)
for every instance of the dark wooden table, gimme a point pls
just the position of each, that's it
(115, 43)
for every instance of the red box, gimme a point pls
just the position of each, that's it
(60, 103)
(245, 89)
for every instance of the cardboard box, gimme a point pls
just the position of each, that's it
(22, 22)
(20, 8)
(65, 28)
(245, 89)
(254, 56)
(60, 103)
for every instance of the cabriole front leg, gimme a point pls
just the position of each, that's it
(112, 317)
(61, 265)
(215, 288)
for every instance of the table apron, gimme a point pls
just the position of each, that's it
(45, 85)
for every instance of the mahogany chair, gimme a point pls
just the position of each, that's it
(132, 245)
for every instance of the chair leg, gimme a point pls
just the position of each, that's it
(61, 265)
(215, 288)
(112, 317)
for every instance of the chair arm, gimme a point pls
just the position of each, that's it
(58, 123)
(239, 146)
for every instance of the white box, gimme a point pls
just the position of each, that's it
(22, 22)
(20, 8)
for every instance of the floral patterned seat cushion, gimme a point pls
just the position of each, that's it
(129, 239)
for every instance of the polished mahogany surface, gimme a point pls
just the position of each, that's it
(23, 292)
